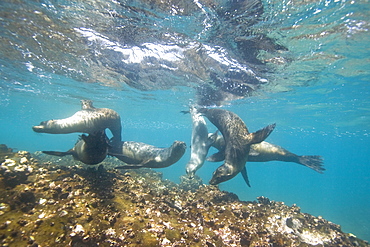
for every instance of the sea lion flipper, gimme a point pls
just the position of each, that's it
(146, 163)
(253, 152)
(314, 162)
(245, 176)
(56, 153)
(85, 138)
(262, 134)
(216, 157)
(123, 158)
(212, 138)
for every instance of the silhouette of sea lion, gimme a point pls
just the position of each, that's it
(88, 120)
(200, 142)
(91, 149)
(138, 154)
(238, 141)
(265, 151)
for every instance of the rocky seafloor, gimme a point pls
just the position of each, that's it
(49, 201)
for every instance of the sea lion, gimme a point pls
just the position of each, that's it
(265, 151)
(138, 154)
(91, 149)
(88, 120)
(200, 142)
(238, 141)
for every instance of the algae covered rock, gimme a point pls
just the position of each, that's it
(64, 204)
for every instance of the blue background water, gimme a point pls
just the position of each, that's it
(327, 115)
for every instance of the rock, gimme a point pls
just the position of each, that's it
(84, 206)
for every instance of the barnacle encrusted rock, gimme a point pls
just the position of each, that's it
(63, 203)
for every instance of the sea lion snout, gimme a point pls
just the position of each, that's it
(190, 170)
(222, 174)
(43, 126)
(38, 128)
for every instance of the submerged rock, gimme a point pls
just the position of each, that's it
(71, 205)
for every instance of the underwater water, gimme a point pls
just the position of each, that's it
(303, 65)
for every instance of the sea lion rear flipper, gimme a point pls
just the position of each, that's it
(56, 153)
(216, 157)
(262, 134)
(314, 162)
(85, 138)
(245, 176)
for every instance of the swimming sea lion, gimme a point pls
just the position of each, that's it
(91, 149)
(88, 120)
(264, 151)
(238, 141)
(138, 154)
(200, 142)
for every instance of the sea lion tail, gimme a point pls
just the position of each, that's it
(56, 153)
(262, 134)
(315, 162)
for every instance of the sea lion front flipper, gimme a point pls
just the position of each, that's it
(253, 152)
(212, 138)
(56, 153)
(262, 134)
(216, 157)
(245, 176)
(126, 159)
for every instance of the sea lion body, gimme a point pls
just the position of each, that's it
(265, 151)
(200, 142)
(88, 120)
(91, 149)
(138, 154)
(238, 141)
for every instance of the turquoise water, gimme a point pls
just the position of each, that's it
(145, 60)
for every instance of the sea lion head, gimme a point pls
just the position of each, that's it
(223, 173)
(178, 147)
(190, 169)
(44, 126)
